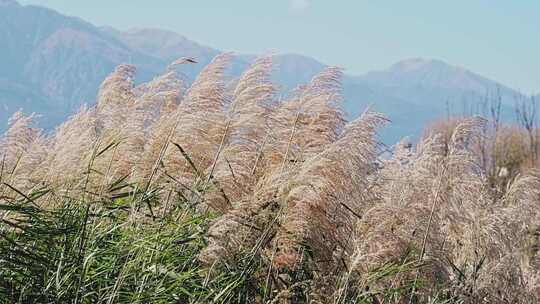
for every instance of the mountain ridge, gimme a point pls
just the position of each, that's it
(55, 63)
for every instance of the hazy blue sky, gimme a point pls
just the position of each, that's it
(496, 38)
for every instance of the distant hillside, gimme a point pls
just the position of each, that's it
(291, 69)
(165, 45)
(52, 64)
(414, 92)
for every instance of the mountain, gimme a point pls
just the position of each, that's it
(161, 43)
(165, 45)
(414, 92)
(52, 64)
(293, 69)
(433, 79)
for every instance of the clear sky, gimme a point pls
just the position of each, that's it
(499, 39)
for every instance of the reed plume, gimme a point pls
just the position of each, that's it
(189, 133)
(273, 200)
(239, 159)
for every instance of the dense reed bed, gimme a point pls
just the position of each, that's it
(221, 192)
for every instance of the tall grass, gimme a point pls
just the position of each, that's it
(221, 193)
